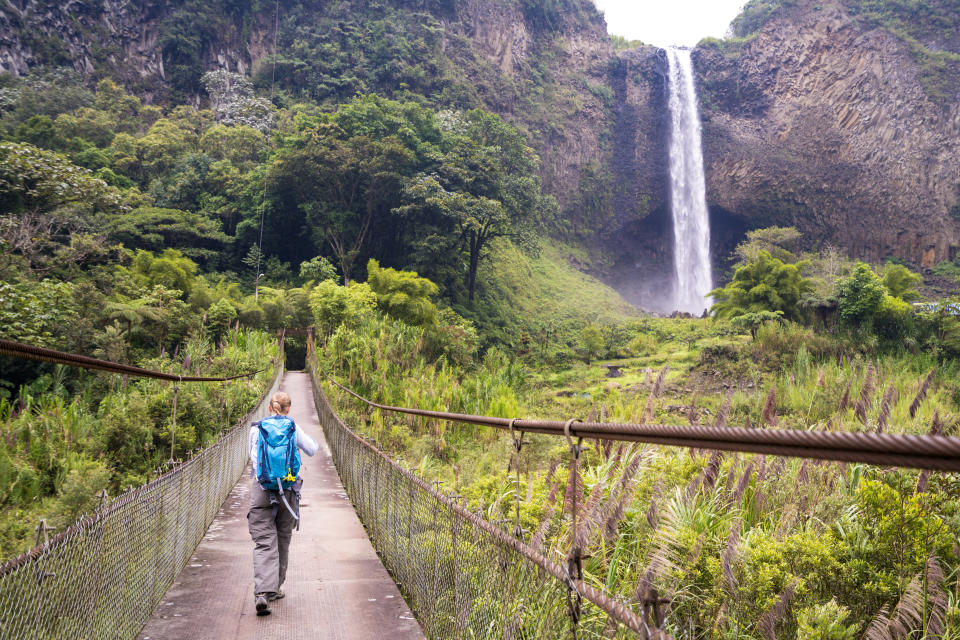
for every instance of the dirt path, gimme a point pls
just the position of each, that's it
(336, 586)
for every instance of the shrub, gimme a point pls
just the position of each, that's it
(763, 284)
(403, 295)
(860, 296)
(901, 282)
(825, 622)
(332, 305)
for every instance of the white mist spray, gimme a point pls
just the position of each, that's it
(691, 223)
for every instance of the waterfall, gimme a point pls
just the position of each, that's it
(691, 224)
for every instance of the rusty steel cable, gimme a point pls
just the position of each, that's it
(30, 352)
(463, 575)
(933, 452)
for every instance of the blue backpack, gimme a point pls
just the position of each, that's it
(278, 458)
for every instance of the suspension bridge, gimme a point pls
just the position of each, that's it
(172, 559)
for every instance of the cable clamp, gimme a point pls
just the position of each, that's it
(518, 442)
(575, 449)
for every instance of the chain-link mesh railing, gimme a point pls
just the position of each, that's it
(103, 576)
(463, 576)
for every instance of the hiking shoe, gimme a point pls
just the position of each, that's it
(274, 595)
(263, 606)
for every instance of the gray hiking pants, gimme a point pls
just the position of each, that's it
(271, 529)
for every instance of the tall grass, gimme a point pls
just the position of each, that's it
(741, 546)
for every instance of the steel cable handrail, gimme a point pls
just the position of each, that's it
(29, 352)
(934, 452)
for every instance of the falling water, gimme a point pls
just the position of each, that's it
(691, 225)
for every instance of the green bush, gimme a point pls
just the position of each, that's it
(860, 296)
(825, 622)
(333, 305)
(403, 295)
(763, 284)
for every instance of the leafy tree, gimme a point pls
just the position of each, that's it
(48, 204)
(763, 284)
(591, 342)
(241, 145)
(403, 294)
(170, 269)
(220, 317)
(39, 130)
(36, 312)
(132, 313)
(171, 137)
(87, 123)
(45, 91)
(754, 320)
(153, 229)
(127, 113)
(38, 180)
(779, 242)
(860, 296)
(340, 185)
(332, 304)
(894, 321)
(901, 282)
(486, 187)
(234, 103)
(285, 307)
(318, 269)
(184, 36)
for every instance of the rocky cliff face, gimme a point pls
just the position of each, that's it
(819, 121)
(543, 78)
(822, 122)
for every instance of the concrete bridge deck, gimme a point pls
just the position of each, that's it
(336, 587)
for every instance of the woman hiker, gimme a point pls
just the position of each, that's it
(275, 443)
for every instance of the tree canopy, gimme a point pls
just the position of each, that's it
(763, 284)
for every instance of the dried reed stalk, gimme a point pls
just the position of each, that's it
(589, 515)
(660, 382)
(654, 394)
(724, 412)
(845, 400)
(653, 518)
(731, 555)
(922, 393)
(889, 399)
(866, 394)
(574, 483)
(772, 617)
(616, 506)
(592, 414)
(769, 414)
(537, 541)
(907, 614)
(936, 429)
(744, 481)
(692, 410)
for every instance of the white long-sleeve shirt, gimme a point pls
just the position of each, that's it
(304, 442)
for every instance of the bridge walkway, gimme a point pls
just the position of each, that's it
(336, 585)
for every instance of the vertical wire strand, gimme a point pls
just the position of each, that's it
(263, 195)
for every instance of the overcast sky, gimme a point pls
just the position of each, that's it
(666, 22)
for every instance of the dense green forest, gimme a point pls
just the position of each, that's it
(352, 186)
(132, 233)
